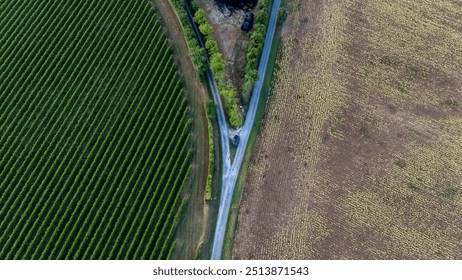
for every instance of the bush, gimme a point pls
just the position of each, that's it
(217, 65)
(195, 5)
(228, 94)
(211, 46)
(282, 16)
(197, 55)
(200, 17)
(251, 76)
(260, 28)
(257, 39)
(206, 30)
(210, 109)
(234, 117)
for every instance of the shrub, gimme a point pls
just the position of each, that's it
(234, 117)
(217, 65)
(206, 30)
(210, 109)
(197, 55)
(201, 17)
(282, 16)
(211, 46)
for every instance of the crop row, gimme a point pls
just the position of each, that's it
(94, 142)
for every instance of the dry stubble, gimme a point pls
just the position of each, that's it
(359, 156)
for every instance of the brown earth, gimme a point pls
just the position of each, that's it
(367, 162)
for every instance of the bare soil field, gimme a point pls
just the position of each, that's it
(360, 152)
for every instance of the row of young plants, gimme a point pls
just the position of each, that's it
(26, 158)
(124, 163)
(31, 134)
(140, 200)
(150, 210)
(95, 119)
(210, 111)
(39, 117)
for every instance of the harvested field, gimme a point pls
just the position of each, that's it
(367, 163)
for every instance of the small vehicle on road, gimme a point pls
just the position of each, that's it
(236, 140)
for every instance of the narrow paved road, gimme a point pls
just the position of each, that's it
(231, 171)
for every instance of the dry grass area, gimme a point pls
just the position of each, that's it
(367, 163)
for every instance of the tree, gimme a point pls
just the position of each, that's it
(217, 65)
(257, 38)
(198, 58)
(210, 109)
(206, 30)
(211, 46)
(251, 76)
(200, 17)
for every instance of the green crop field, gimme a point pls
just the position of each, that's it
(94, 131)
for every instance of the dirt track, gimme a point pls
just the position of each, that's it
(192, 228)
